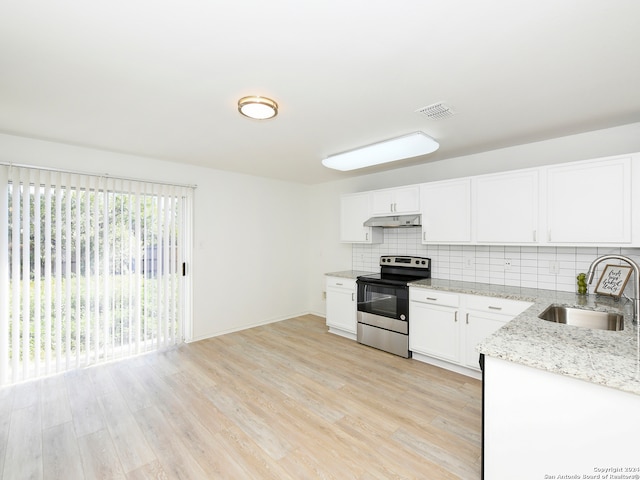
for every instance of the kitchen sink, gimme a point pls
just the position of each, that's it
(583, 318)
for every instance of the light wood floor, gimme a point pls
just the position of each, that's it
(283, 401)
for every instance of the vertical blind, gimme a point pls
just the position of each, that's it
(91, 269)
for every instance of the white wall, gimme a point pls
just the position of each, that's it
(285, 234)
(250, 260)
(324, 233)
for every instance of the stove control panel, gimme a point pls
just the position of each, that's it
(405, 261)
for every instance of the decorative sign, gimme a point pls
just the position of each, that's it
(613, 280)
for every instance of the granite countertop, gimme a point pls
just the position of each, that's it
(602, 357)
(598, 356)
(352, 274)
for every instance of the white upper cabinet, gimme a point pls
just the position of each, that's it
(396, 201)
(446, 211)
(355, 209)
(590, 202)
(506, 207)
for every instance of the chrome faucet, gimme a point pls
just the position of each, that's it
(636, 286)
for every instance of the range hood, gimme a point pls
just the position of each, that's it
(393, 222)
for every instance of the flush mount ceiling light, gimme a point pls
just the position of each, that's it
(260, 108)
(407, 146)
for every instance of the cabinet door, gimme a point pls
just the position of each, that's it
(382, 202)
(355, 209)
(396, 201)
(483, 316)
(446, 211)
(433, 330)
(407, 200)
(506, 207)
(479, 326)
(590, 202)
(341, 307)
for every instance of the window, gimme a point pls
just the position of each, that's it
(91, 269)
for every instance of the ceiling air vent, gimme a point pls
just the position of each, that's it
(437, 111)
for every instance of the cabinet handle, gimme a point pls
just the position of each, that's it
(366, 236)
(339, 284)
(494, 308)
(432, 299)
(352, 297)
(455, 316)
(424, 236)
(549, 236)
(467, 319)
(535, 236)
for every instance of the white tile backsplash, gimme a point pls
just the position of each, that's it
(486, 263)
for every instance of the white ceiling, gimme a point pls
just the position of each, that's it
(161, 78)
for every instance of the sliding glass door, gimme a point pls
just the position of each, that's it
(91, 269)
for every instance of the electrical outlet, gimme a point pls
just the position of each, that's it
(468, 262)
(554, 268)
(507, 264)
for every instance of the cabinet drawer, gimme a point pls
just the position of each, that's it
(339, 282)
(496, 305)
(433, 297)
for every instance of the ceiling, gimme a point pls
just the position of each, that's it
(161, 78)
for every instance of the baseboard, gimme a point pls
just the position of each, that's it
(246, 327)
(469, 372)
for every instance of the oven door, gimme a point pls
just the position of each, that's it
(383, 317)
(391, 301)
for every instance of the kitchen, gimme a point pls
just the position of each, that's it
(473, 310)
(265, 232)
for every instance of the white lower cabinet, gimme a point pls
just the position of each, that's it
(479, 326)
(483, 316)
(341, 306)
(445, 328)
(436, 332)
(433, 324)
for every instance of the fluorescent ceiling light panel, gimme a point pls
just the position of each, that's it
(407, 146)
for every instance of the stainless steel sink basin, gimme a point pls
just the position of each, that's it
(583, 318)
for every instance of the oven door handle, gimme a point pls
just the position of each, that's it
(377, 299)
